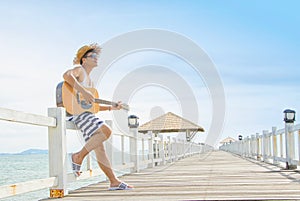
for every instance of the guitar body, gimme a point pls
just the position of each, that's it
(73, 101)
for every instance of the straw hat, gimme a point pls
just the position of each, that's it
(81, 52)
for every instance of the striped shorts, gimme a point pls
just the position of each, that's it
(88, 123)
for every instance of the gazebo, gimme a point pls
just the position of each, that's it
(227, 140)
(169, 123)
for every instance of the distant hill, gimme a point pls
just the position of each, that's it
(34, 151)
(28, 151)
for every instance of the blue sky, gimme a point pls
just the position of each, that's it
(254, 45)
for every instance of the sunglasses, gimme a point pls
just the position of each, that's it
(93, 56)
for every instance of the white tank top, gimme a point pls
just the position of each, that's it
(87, 82)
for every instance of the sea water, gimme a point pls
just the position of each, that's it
(21, 168)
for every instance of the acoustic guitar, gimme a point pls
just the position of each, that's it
(73, 101)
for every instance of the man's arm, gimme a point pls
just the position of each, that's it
(110, 107)
(105, 107)
(71, 77)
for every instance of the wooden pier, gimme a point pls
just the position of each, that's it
(177, 169)
(216, 175)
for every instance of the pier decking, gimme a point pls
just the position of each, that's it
(214, 175)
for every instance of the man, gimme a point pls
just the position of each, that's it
(94, 130)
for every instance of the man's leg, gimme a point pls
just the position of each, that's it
(98, 138)
(105, 165)
(96, 143)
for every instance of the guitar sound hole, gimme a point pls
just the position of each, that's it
(85, 105)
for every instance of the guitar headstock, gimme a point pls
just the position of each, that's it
(123, 105)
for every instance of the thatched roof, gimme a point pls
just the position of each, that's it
(227, 140)
(170, 122)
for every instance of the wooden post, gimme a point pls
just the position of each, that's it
(289, 146)
(123, 149)
(109, 143)
(143, 148)
(281, 145)
(298, 145)
(190, 148)
(275, 149)
(268, 151)
(155, 148)
(183, 148)
(253, 148)
(258, 147)
(89, 166)
(265, 145)
(134, 155)
(170, 155)
(175, 148)
(292, 148)
(248, 146)
(150, 147)
(241, 148)
(162, 150)
(58, 152)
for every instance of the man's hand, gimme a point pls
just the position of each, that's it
(88, 96)
(118, 106)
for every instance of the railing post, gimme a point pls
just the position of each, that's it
(162, 150)
(134, 155)
(109, 143)
(143, 148)
(239, 148)
(58, 152)
(190, 148)
(268, 144)
(155, 149)
(89, 166)
(150, 151)
(253, 148)
(175, 148)
(298, 145)
(274, 140)
(123, 149)
(243, 147)
(249, 146)
(170, 155)
(183, 149)
(281, 144)
(258, 147)
(289, 146)
(265, 145)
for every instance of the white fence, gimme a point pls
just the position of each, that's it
(159, 152)
(277, 147)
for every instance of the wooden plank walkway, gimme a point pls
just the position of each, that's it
(216, 175)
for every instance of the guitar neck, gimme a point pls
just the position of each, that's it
(100, 101)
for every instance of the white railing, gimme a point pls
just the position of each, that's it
(276, 147)
(159, 152)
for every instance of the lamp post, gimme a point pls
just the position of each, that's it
(133, 121)
(289, 118)
(289, 115)
(133, 124)
(240, 145)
